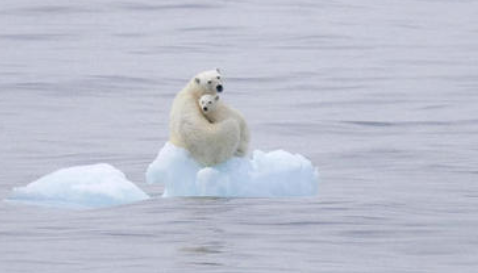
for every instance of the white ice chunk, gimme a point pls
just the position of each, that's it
(91, 186)
(272, 174)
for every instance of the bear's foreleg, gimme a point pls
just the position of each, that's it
(211, 144)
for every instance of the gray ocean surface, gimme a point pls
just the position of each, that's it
(382, 96)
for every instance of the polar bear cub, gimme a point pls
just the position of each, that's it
(215, 111)
(208, 104)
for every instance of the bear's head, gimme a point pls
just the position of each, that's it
(209, 82)
(207, 103)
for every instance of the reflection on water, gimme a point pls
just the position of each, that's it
(380, 96)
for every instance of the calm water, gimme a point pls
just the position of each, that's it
(381, 95)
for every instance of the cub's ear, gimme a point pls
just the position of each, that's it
(197, 80)
(216, 98)
(218, 71)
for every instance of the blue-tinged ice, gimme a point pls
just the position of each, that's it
(91, 186)
(273, 174)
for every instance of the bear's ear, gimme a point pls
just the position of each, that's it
(216, 98)
(197, 80)
(218, 71)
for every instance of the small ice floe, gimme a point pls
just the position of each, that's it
(273, 174)
(91, 186)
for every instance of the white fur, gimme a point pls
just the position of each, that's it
(217, 111)
(208, 143)
(208, 104)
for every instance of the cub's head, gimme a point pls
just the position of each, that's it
(209, 82)
(207, 103)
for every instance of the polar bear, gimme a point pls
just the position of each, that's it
(208, 143)
(216, 111)
(208, 104)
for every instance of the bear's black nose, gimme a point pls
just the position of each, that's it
(219, 88)
(204, 108)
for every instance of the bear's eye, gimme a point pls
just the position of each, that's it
(218, 77)
(210, 102)
(209, 82)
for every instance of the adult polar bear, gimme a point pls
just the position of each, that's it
(208, 143)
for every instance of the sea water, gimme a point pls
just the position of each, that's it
(381, 96)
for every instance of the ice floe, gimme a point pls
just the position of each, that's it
(265, 174)
(90, 186)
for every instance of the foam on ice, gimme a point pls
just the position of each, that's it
(91, 186)
(273, 174)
